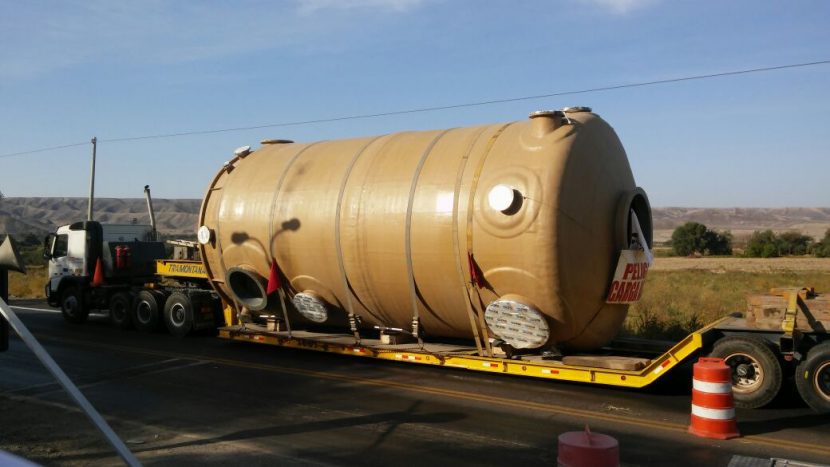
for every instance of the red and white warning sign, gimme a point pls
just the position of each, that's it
(627, 286)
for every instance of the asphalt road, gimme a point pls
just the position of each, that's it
(203, 400)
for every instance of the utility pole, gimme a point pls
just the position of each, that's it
(92, 180)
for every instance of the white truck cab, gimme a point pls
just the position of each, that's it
(73, 249)
(67, 247)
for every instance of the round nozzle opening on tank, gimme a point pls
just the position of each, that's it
(506, 199)
(545, 121)
(248, 288)
(635, 201)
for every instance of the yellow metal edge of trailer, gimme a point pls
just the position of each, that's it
(632, 379)
(190, 269)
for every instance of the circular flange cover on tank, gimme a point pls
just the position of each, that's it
(311, 307)
(519, 325)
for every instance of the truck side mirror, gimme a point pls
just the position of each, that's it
(47, 246)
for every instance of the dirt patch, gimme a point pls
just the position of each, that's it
(760, 265)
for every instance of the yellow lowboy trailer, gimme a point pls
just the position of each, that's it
(642, 373)
(762, 348)
(607, 369)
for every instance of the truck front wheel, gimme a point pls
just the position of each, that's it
(812, 378)
(73, 308)
(120, 310)
(756, 372)
(178, 314)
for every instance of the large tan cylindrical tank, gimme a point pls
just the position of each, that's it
(514, 228)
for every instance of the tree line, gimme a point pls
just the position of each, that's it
(695, 238)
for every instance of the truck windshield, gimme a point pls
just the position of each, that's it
(61, 244)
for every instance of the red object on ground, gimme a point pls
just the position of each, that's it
(98, 277)
(273, 278)
(586, 449)
(713, 406)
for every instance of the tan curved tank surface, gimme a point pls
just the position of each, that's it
(510, 230)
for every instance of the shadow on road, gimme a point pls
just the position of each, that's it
(761, 427)
(394, 419)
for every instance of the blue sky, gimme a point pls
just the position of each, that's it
(71, 70)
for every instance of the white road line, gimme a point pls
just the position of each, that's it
(47, 310)
(55, 310)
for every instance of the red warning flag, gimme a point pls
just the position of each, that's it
(273, 278)
(98, 276)
(475, 272)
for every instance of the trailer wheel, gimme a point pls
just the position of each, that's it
(178, 314)
(813, 378)
(120, 310)
(756, 371)
(145, 310)
(73, 308)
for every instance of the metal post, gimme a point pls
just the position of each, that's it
(151, 211)
(4, 295)
(92, 179)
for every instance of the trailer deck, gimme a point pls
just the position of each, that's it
(465, 357)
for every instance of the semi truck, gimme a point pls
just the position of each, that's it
(122, 269)
(513, 248)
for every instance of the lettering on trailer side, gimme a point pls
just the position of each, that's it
(186, 268)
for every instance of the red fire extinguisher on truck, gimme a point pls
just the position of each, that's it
(123, 256)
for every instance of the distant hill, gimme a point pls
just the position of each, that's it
(22, 215)
(179, 216)
(743, 221)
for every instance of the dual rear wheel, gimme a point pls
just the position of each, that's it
(756, 371)
(757, 374)
(150, 308)
(812, 378)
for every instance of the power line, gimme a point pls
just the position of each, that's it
(436, 108)
(51, 148)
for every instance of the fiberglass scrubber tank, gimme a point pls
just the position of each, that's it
(514, 228)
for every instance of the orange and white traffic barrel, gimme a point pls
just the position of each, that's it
(713, 407)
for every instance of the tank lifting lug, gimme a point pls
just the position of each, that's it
(353, 326)
(416, 327)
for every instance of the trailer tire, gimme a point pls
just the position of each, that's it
(146, 312)
(756, 371)
(120, 310)
(812, 378)
(73, 308)
(178, 314)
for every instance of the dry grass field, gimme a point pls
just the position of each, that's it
(732, 264)
(682, 294)
(28, 286)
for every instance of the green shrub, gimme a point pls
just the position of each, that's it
(822, 249)
(694, 237)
